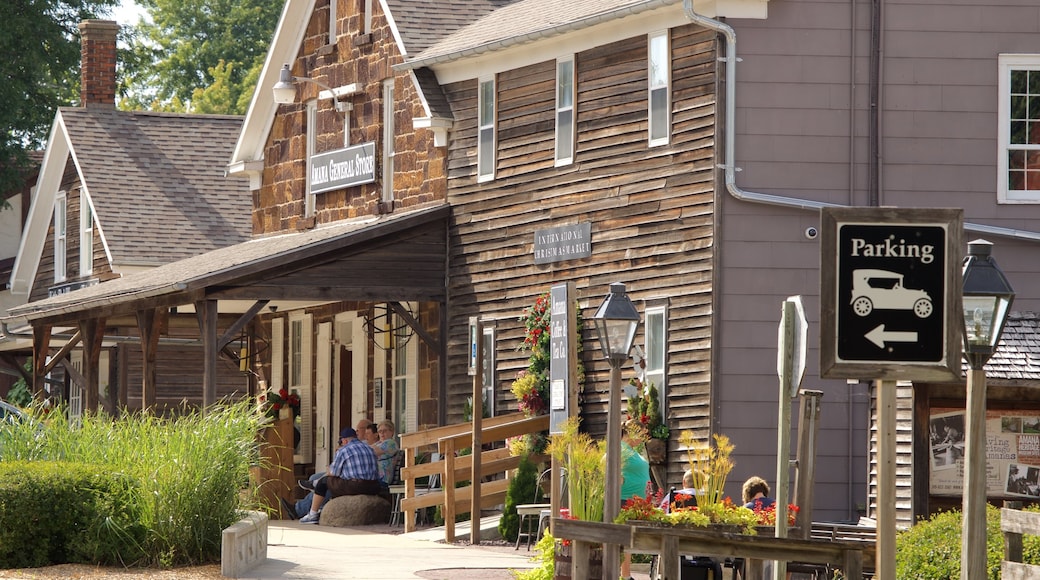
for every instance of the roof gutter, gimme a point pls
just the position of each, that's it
(537, 35)
(729, 148)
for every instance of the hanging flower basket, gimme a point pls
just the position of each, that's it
(657, 450)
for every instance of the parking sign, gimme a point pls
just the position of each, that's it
(890, 285)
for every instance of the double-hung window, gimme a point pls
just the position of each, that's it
(60, 225)
(388, 140)
(1018, 139)
(659, 65)
(656, 346)
(86, 236)
(565, 111)
(486, 130)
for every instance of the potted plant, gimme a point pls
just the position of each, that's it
(645, 408)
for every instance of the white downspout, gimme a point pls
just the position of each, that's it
(729, 161)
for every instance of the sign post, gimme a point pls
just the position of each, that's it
(890, 281)
(790, 367)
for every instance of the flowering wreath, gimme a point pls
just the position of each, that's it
(531, 387)
(273, 401)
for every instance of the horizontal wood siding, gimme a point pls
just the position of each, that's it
(651, 211)
(179, 376)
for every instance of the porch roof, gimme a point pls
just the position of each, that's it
(394, 257)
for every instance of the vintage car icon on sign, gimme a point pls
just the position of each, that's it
(884, 290)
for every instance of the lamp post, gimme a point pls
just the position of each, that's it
(616, 322)
(987, 297)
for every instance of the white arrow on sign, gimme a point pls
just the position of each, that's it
(880, 336)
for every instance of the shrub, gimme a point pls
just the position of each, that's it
(190, 471)
(523, 488)
(55, 512)
(931, 549)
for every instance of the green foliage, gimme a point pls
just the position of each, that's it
(40, 72)
(523, 488)
(545, 555)
(191, 470)
(58, 512)
(585, 460)
(19, 393)
(201, 55)
(931, 549)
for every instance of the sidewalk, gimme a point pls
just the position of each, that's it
(296, 550)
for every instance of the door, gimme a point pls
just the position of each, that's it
(323, 399)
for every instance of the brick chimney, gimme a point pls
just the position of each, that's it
(98, 63)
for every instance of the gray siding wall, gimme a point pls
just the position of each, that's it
(802, 131)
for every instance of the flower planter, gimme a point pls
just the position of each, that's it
(562, 562)
(657, 451)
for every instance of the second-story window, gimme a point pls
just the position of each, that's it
(1018, 155)
(388, 140)
(60, 225)
(333, 21)
(486, 130)
(659, 71)
(86, 236)
(312, 148)
(565, 111)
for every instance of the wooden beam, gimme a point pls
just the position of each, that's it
(241, 323)
(63, 352)
(93, 331)
(149, 325)
(41, 346)
(206, 310)
(327, 293)
(17, 367)
(410, 320)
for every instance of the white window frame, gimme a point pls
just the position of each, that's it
(61, 250)
(486, 89)
(660, 85)
(312, 148)
(656, 337)
(301, 379)
(333, 21)
(565, 110)
(388, 139)
(1009, 63)
(405, 374)
(368, 16)
(86, 235)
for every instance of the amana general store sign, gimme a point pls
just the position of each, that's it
(343, 168)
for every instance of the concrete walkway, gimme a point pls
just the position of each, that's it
(295, 550)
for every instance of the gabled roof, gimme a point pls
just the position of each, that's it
(155, 180)
(421, 23)
(1017, 357)
(343, 255)
(522, 21)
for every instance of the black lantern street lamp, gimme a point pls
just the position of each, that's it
(616, 322)
(987, 298)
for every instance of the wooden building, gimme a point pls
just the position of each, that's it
(118, 193)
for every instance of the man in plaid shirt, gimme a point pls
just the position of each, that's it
(353, 471)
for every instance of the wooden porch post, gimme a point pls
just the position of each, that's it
(149, 324)
(41, 345)
(206, 310)
(93, 332)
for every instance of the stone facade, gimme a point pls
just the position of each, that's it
(367, 60)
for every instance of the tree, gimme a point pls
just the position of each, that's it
(200, 55)
(41, 73)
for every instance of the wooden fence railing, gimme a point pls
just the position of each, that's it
(1016, 523)
(670, 542)
(449, 439)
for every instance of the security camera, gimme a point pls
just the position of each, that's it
(811, 233)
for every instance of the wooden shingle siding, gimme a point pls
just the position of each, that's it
(651, 210)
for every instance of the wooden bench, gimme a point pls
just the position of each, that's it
(838, 532)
